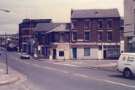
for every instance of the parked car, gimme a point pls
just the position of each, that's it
(24, 56)
(126, 64)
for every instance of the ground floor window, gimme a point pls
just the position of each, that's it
(86, 51)
(61, 53)
(113, 53)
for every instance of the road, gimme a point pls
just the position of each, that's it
(46, 75)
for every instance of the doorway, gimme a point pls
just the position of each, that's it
(54, 53)
(104, 54)
(74, 51)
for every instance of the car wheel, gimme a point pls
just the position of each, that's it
(127, 73)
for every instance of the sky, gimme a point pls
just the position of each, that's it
(58, 10)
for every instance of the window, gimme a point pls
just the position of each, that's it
(74, 36)
(86, 25)
(131, 59)
(61, 53)
(100, 36)
(77, 25)
(66, 36)
(100, 24)
(109, 24)
(86, 51)
(87, 36)
(109, 36)
(56, 37)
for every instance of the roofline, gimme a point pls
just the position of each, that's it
(93, 17)
(95, 9)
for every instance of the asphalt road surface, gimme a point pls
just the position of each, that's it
(45, 75)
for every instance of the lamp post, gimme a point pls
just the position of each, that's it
(6, 55)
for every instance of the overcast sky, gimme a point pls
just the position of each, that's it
(58, 10)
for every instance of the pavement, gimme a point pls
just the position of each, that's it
(11, 81)
(110, 65)
(7, 78)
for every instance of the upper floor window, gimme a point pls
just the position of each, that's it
(109, 24)
(86, 25)
(100, 36)
(25, 32)
(87, 36)
(100, 24)
(77, 25)
(66, 36)
(56, 37)
(109, 36)
(74, 36)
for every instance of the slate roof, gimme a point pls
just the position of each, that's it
(37, 20)
(94, 13)
(51, 27)
(46, 26)
(61, 28)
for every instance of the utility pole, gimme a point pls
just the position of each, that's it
(6, 55)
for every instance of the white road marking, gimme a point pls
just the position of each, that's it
(80, 75)
(71, 65)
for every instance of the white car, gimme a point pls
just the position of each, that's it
(126, 64)
(24, 56)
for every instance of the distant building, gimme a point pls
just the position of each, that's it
(129, 25)
(95, 34)
(26, 33)
(9, 41)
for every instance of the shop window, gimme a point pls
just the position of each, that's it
(86, 51)
(61, 53)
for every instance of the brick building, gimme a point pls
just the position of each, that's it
(91, 34)
(95, 34)
(26, 35)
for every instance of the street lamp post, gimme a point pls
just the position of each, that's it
(6, 56)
